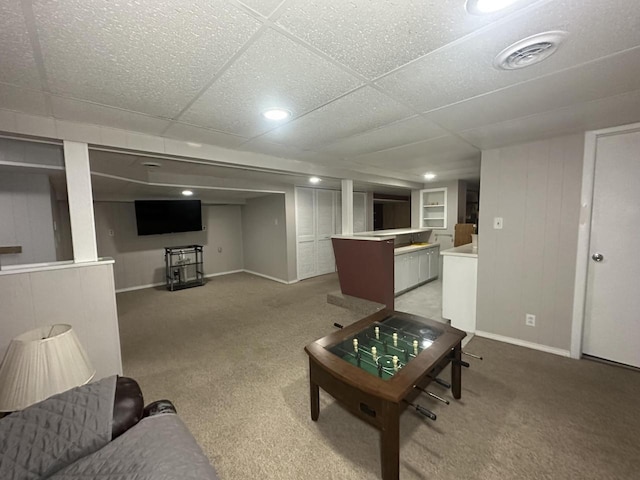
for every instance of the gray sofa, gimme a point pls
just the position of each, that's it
(99, 430)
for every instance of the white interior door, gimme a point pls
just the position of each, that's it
(612, 307)
(325, 228)
(306, 232)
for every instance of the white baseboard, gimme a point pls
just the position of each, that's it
(223, 273)
(138, 287)
(151, 285)
(524, 343)
(269, 277)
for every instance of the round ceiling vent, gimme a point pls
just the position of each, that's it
(530, 50)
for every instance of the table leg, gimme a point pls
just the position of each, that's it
(390, 442)
(456, 372)
(314, 393)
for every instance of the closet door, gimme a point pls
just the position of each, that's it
(325, 228)
(306, 232)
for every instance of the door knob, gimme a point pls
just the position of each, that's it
(597, 257)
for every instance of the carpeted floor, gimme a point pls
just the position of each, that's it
(230, 356)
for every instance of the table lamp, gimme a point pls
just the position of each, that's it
(40, 363)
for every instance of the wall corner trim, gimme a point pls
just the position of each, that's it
(524, 343)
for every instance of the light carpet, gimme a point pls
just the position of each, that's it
(230, 356)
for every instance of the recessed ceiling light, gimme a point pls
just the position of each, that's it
(152, 164)
(530, 50)
(187, 193)
(276, 114)
(485, 7)
(315, 180)
(429, 176)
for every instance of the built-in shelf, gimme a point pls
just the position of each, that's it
(434, 208)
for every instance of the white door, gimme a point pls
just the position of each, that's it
(306, 232)
(324, 230)
(612, 309)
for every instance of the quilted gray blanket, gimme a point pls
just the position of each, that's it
(158, 448)
(46, 437)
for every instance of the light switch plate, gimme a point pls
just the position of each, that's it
(497, 223)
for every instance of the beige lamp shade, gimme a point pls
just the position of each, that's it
(41, 363)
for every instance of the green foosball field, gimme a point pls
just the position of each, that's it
(385, 347)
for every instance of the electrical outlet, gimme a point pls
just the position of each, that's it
(111, 233)
(204, 227)
(530, 320)
(219, 249)
(497, 223)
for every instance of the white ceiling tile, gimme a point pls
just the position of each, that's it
(419, 157)
(411, 130)
(262, 145)
(17, 63)
(147, 56)
(607, 112)
(375, 37)
(604, 78)
(464, 70)
(265, 7)
(22, 100)
(355, 113)
(78, 111)
(273, 72)
(191, 133)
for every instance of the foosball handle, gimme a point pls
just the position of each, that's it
(441, 382)
(472, 355)
(461, 363)
(427, 413)
(337, 325)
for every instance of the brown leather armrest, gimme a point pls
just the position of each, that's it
(128, 406)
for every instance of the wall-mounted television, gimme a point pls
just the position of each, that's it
(168, 216)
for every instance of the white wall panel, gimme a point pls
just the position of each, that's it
(529, 265)
(80, 295)
(26, 218)
(264, 236)
(139, 260)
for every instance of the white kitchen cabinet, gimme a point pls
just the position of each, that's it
(434, 262)
(459, 287)
(415, 268)
(424, 258)
(433, 208)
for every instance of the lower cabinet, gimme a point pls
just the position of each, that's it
(415, 268)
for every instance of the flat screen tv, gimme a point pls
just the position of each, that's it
(168, 216)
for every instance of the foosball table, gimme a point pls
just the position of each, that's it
(377, 366)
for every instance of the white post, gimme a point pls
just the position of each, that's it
(83, 229)
(347, 207)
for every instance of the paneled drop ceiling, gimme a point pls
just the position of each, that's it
(386, 87)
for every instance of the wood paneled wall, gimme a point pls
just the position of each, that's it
(529, 265)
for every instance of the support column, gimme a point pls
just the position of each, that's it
(83, 229)
(347, 207)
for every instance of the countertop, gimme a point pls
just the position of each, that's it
(461, 251)
(413, 248)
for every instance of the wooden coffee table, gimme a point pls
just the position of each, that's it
(366, 382)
